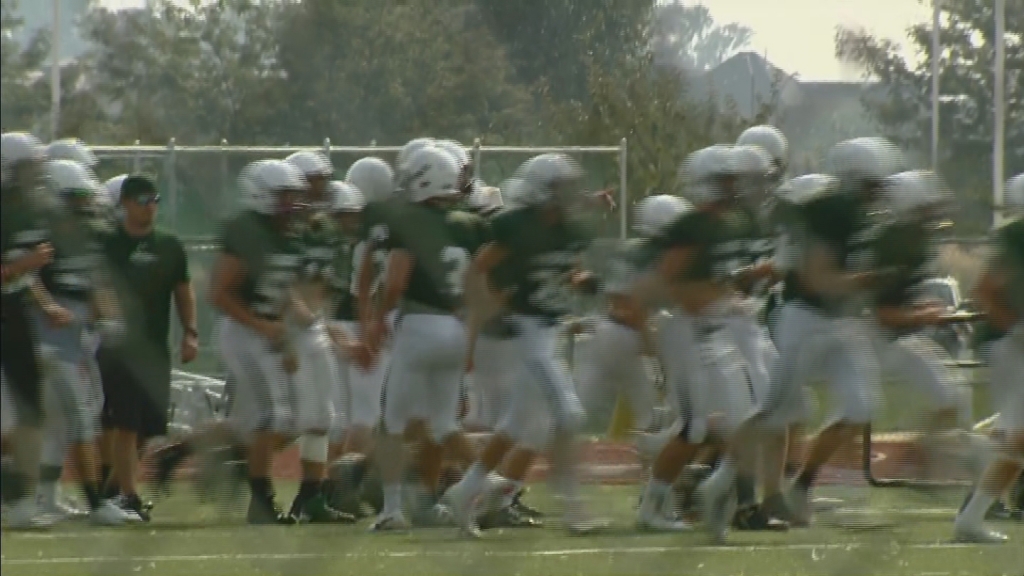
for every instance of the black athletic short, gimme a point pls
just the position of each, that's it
(136, 390)
(18, 346)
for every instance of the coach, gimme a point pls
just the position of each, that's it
(150, 268)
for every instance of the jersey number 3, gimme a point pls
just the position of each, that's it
(456, 263)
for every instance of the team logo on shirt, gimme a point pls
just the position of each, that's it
(141, 255)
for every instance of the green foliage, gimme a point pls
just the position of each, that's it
(966, 84)
(25, 98)
(686, 36)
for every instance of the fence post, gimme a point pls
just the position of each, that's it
(136, 160)
(170, 165)
(223, 177)
(477, 152)
(327, 150)
(623, 193)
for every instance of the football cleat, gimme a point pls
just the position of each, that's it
(755, 518)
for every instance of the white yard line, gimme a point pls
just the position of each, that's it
(462, 553)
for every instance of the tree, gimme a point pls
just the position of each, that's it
(965, 82)
(655, 109)
(551, 42)
(392, 70)
(25, 100)
(688, 37)
(199, 73)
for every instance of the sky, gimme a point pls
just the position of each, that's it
(796, 35)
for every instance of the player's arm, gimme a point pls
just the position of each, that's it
(824, 276)
(57, 314)
(229, 272)
(400, 265)
(38, 257)
(989, 295)
(364, 282)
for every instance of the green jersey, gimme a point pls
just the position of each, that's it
(376, 224)
(75, 269)
(442, 244)
(719, 241)
(25, 225)
(271, 258)
(320, 244)
(903, 251)
(840, 223)
(146, 270)
(343, 282)
(539, 261)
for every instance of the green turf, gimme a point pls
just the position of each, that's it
(197, 540)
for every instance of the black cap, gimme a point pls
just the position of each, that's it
(137, 185)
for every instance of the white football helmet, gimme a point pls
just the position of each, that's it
(410, 148)
(864, 160)
(803, 189)
(68, 176)
(373, 177)
(916, 194)
(754, 167)
(432, 173)
(484, 199)
(510, 190)
(702, 172)
(345, 197)
(262, 181)
(653, 214)
(18, 147)
(456, 150)
(72, 149)
(771, 140)
(113, 187)
(1013, 195)
(547, 177)
(311, 163)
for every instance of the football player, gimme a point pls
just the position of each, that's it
(430, 249)
(1001, 293)
(25, 246)
(532, 264)
(905, 250)
(694, 263)
(822, 330)
(316, 376)
(252, 287)
(72, 293)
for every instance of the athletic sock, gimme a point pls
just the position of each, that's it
(654, 497)
(790, 470)
(92, 495)
(806, 478)
(392, 499)
(475, 478)
(49, 476)
(746, 491)
(261, 488)
(977, 507)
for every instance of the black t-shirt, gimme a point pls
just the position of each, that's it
(146, 270)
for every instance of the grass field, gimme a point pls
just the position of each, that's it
(198, 540)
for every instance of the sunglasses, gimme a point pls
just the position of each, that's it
(147, 199)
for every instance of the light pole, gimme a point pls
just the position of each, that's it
(999, 108)
(55, 72)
